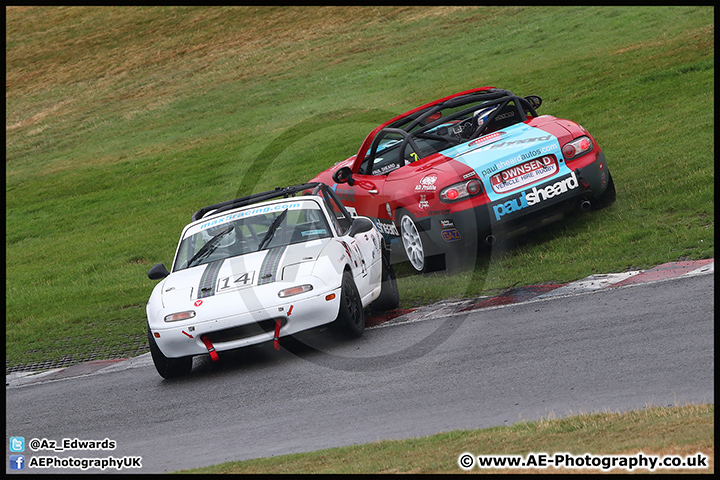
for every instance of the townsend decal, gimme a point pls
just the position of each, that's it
(524, 174)
(529, 198)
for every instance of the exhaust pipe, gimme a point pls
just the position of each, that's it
(585, 205)
(490, 239)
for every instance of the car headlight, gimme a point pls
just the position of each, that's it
(289, 292)
(579, 146)
(460, 191)
(176, 317)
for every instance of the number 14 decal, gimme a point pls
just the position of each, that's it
(236, 281)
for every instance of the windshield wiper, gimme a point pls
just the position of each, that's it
(271, 230)
(210, 246)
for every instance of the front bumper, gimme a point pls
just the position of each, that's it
(180, 339)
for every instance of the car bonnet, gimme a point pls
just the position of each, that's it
(232, 274)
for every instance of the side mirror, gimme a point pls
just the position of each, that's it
(344, 175)
(158, 272)
(534, 100)
(360, 225)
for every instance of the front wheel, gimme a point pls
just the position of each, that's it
(416, 249)
(168, 367)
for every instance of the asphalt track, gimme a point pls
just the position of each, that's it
(614, 342)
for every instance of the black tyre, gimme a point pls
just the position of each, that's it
(607, 198)
(416, 248)
(389, 298)
(350, 321)
(168, 367)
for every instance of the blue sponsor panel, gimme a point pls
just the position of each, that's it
(521, 157)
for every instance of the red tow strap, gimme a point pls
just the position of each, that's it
(211, 349)
(276, 340)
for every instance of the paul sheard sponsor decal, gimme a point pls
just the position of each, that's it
(386, 227)
(536, 195)
(509, 162)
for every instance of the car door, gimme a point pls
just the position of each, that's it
(361, 249)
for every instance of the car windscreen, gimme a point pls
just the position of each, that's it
(250, 230)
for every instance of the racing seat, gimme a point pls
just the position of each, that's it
(507, 116)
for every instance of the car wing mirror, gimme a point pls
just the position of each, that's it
(360, 225)
(344, 175)
(158, 272)
(534, 100)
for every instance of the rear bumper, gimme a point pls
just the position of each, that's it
(462, 230)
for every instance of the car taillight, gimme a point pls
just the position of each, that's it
(460, 191)
(579, 146)
(473, 187)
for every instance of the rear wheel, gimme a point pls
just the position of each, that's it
(416, 248)
(351, 317)
(607, 198)
(412, 242)
(168, 367)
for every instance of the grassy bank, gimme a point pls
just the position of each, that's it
(682, 431)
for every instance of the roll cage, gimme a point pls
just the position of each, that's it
(344, 222)
(279, 192)
(426, 130)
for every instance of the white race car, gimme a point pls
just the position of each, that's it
(260, 267)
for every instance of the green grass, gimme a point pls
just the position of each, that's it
(682, 431)
(121, 122)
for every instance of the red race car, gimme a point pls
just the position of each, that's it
(469, 168)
